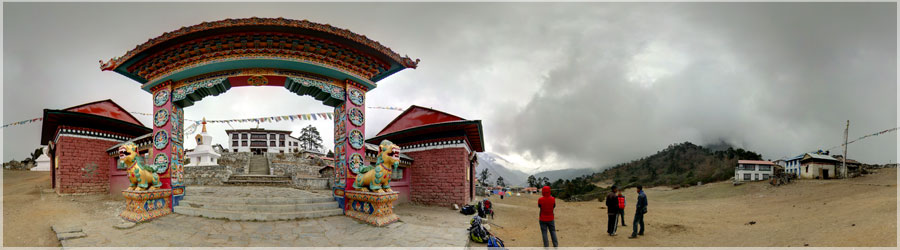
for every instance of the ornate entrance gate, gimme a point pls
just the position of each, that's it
(333, 65)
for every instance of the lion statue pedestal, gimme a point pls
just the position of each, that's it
(145, 205)
(371, 207)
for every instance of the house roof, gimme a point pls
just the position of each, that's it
(106, 108)
(417, 123)
(755, 162)
(818, 157)
(103, 115)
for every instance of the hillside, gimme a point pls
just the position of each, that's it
(565, 174)
(679, 164)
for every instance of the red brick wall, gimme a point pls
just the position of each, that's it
(77, 156)
(438, 176)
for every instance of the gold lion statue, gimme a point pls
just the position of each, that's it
(378, 178)
(141, 176)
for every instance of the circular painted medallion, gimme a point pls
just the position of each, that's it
(356, 139)
(357, 97)
(161, 97)
(162, 162)
(356, 117)
(257, 80)
(161, 117)
(160, 139)
(356, 162)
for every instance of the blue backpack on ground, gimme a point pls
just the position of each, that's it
(494, 242)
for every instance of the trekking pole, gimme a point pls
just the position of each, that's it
(494, 224)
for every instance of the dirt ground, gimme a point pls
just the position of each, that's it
(30, 208)
(834, 213)
(818, 213)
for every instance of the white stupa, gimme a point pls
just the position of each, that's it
(43, 161)
(203, 154)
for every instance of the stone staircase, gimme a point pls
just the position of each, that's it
(258, 180)
(259, 165)
(256, 203)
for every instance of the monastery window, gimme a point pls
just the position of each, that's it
(244, 143)
(282, 137)
(235, 150)
(234, 143)
(234, 136)
(272, 136)
(258, 136)
(397, 174)
(282, 143)
(764, 168)
(271, 143)
(746, 177)
(244, 136)
(765, 176)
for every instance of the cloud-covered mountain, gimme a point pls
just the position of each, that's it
(498, 166)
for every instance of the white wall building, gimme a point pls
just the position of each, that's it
(792, 165)
(748, 170)
(258, 140)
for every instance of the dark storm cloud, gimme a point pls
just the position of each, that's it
(556, 85)
(779, 79)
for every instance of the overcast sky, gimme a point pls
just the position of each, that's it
(564, 85)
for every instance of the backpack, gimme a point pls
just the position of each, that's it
(467, 210)
(621, 202)
(494, 242)
(477, 232)
(487, 204)
(480, 209)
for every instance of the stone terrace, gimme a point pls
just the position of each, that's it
(419, 226)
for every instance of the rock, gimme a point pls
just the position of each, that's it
(455, 207)
(59, 229)
(67, 236)
(125, 225)
(853, 225)
(751, 223)
(805, 244)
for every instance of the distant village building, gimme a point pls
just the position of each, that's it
(749, 170)
(260, 140)
(817, 166)
(792, 165)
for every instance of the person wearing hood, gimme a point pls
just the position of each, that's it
(547, 203)
(612, 206)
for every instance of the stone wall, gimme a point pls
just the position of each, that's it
(83, 165)
(438, 176)
(293, 165)
(206, 175)
(237, 163)
(311, 183)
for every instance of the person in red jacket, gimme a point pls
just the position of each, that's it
(622, 207)
(547, 204)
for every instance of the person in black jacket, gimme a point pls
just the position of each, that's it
(639, 212)
(612, 205)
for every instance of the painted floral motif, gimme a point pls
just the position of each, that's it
(356, 139)
(340, 161)
(335, 91)
(356, 162)
(161, 97)
(257, 80)
(162, 162)
(177, 126)
(160, 139)
(161, 117)
(182, 92)
(357, 97)
(340, 126)
(356, 117)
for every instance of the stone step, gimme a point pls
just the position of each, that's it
(267, 208)
(255, 216)
(263, 177)
(256, 200)
(257, 183)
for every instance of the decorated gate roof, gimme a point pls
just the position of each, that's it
(259, 43)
